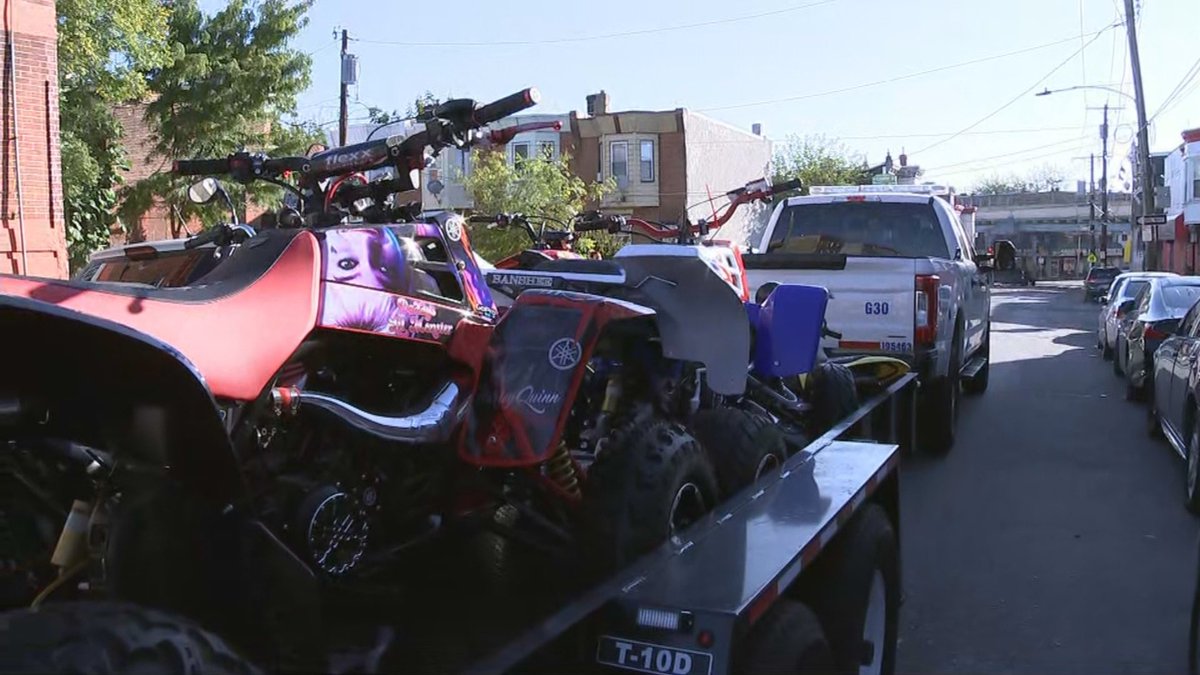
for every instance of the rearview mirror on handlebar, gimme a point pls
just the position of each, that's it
(203, 191)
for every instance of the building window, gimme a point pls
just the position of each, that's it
(647, 163)
(619, 161)
(1195, 171)
(520, 152)
(546, 149)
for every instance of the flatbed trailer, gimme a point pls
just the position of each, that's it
(695, 604)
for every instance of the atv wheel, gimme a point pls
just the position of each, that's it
(106, 637)
(741, 446)
(833, 395)
(651, 481)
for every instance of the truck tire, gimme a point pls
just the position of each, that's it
(111, 637)
(833, 395)
(1116, 359)
(787, 640)
(652, 479)
(742, 446)
(939, 405)
(857, 594)
(979, 383)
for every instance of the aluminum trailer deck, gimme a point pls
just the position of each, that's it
(686, 607)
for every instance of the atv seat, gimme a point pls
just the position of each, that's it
(581, 266)
(238, 325)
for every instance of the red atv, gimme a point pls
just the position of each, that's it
(289, 426)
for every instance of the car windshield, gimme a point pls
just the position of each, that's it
(1103, 274)
(1180, 297)
(900, 230)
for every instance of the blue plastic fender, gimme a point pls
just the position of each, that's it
(788, 329)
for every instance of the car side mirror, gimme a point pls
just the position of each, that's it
(1104, 299)
(1126, 307)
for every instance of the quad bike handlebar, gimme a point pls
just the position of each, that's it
(453, 123)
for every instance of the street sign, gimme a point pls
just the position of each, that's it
(1092, 258)
(1156, 219)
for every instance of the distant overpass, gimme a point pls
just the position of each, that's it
(1052, 227)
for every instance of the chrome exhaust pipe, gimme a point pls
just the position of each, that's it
(434, 424)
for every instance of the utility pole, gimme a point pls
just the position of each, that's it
(1104, 188)
(1092, 202)
(344, 116)
(1143, 140)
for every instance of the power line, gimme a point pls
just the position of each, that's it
(1077, 140)
(604, 36)
(834, 137)
(1016, 98)
(899, 78)
(1018, 161)
(1174, 97)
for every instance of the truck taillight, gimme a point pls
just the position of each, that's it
(926, 309)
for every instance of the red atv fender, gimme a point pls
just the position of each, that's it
(532, 372)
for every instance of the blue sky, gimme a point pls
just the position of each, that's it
(756, 51)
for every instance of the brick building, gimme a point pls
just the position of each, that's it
(159, 222)
(667, 163)
(32, 236)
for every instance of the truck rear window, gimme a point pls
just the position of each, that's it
(878, 229)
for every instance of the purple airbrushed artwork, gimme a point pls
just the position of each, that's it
(376, 311)
(370, 280)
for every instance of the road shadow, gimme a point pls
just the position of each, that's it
(1053, 513)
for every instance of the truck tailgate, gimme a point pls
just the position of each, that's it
(871, 303)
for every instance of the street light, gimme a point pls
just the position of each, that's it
(1143, 159)
(1118, 92)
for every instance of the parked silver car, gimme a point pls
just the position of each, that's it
(1150, 317)
(1123, 288)
(1173, 404)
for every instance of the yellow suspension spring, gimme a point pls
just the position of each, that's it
(561, 470)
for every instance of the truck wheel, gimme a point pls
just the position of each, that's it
(1106, 352)
(741, 446)
(856, 592)
(833, 395)
(787, 640)
(939, 405)
(979, 384)
(109, 637)
(1116, 359)
(1192, 475)
(652, 480)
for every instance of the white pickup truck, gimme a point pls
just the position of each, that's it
(904, 281)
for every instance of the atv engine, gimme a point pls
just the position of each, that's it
(343, 499)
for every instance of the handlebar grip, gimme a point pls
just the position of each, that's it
(509, 105)
(200, 167)
(208, 236)
(793, 184)
(481, 218)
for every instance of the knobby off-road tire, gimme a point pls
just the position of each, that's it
(787, 640)
(742, 446)
(652, 479)
(857, 594)
(104, 638)
(833, 395)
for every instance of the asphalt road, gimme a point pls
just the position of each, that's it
(1053, 538)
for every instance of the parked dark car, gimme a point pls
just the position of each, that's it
(1173, 407)
(1097, 282)
(1149, 319)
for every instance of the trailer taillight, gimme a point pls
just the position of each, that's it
(925, 314)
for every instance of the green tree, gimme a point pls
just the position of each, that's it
(232, 79)
(536, 187)
(818, 160)
(104, 49)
